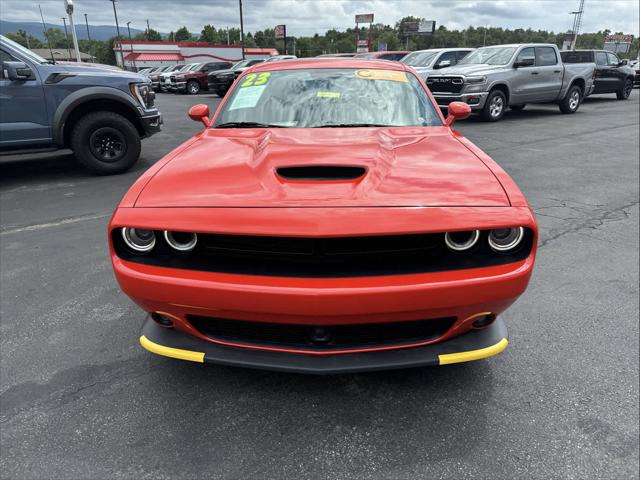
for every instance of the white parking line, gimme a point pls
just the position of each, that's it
(65, 221)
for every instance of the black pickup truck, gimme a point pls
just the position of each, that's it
(612, 74)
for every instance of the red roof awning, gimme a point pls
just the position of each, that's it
(154, 57)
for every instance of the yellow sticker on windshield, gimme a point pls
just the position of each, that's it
(255, 79)
(328, 94)
(392, 75)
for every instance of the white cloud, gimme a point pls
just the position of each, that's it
(306, 17)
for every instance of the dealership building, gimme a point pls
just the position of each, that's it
(136, 55)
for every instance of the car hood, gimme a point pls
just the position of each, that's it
(81, 70)
(403, 167)
(474, 69)
(221, 72)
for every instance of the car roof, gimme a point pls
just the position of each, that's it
(313, 62)
(454, 49)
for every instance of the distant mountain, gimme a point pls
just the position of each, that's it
(98, 32)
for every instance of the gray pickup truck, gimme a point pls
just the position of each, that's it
(100, 114)
(490, 79)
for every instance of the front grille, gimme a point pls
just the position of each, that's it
(445, 84)
(322, 257)
(321, 337)
(173, 79)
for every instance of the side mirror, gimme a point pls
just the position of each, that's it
(525, 62)
(443, 64)
(457, 111)
(17, 70)
(623, 62)
(200, 113)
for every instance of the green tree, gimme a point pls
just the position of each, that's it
(210, 34)
(182, 35)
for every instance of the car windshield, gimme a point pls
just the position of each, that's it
(370, 56)
(24, 51)
(418, 59)
(489, 56)
(240, 64)
(313, 98)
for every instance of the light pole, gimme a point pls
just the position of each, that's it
(241, 29)
(131, 47)
(115, 14)
(86, 22)
(66, 36)
(69, 7)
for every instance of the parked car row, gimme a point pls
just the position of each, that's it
(192, 78)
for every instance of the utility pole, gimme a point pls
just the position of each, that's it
(577, 24)
(131, 47)
(484, 39)
(148, 28)
(66, 36)
(74, 36)
(115, 14)
(228, 40)
(241, 29)
(86, 22)
(44, 30)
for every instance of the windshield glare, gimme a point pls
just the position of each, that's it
(309, 98)
(418, 59)
(240, 64)
(489, 56)
(24, 51)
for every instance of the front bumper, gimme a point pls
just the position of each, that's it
(151, 123)
(475, 100)
(474, 345)
(179, 86)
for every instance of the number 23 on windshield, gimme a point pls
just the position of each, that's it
(256, 79)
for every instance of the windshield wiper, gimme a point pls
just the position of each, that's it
(248, 125)
(346, 125)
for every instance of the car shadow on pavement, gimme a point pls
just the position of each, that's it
(430, 414)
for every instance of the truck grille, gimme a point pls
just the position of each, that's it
(445, 84)
(322, 257)
(321, 337)
(173, 79)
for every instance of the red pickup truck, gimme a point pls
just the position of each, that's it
(194, 80)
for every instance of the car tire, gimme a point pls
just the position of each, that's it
(105, 142)
(221, 92)
(495, 106)
(571, 101)
(625, 91)
(517, 108)
(193, 87)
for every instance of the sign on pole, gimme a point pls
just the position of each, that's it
(426, 27)
(364, 18)
(618, 43)
(280, 31)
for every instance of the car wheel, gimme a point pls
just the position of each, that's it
(193, 87)
(221, 92)
(105, 143)
(626, 90)
(571, 102)
(494, 106)
(517, 108)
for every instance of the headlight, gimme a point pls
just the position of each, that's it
(144, 94)
(181, 241)
(505, 239)
(139, 239)
(473, 80)
(461, 241)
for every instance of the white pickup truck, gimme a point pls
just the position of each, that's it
(490, 79)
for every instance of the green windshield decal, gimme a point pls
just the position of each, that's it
(255, 79)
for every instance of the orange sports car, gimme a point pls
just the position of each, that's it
(327, 219)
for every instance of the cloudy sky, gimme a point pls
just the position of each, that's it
(306, 17)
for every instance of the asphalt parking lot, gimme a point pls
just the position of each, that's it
(81, 399)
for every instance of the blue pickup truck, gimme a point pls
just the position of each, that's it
(100, 114)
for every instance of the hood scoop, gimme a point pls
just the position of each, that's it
(321, 173)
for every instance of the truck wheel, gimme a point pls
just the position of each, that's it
(221, 92)
(105, 142)
(517, 108)
(494, 106)
(193, 87)
(571, 102)
(625, 91)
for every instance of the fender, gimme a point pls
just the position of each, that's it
(84, 95)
